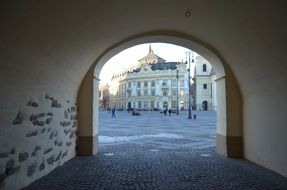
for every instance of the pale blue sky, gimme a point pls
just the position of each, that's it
(130, 57)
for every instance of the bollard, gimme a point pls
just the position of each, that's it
(194, 117)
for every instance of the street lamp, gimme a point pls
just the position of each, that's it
(189, 100)
(177, 111)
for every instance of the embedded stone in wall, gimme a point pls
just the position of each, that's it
(51, 135)
(35, 121)
(71, 135)
(48, 150)
(32, 104)
(4, 154)
(23, 156)
(51, 159)
(48, 120)
(74, 124)
(11, 168)
(42, 166)
(49, 97)
(58, 157)
(73, 117)
(10, 164)
(18, 119)
(55, 104)
(41, 123)
(34, 133)
(60, 143)
(50, 114)
(66, 131)
(73, 109)
(66, 114)
(65, 154)
(69, 143)
(31, 169)
(37, 148)
(43, 130)
(65, 123)
(49, 129)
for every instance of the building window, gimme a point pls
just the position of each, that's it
(174, 92)
(152, 92)
(145, 93)
(173, 104)
(139, 104)
(152, 83)
(204, 86)
(157, 104)
(174, 82)
(164, 93)
(129, 84)
(134, 104)
(145, 83)
(145, 104)
(138, 84)
(204, 67)
(138, 93)
(152, 104)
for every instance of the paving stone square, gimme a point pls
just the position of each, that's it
(153, 151)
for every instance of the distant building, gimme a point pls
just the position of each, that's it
(104, 96)
(204, 85)
(151, 85)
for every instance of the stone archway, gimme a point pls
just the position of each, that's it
(229, 100)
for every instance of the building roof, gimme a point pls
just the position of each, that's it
(159, 66)
(151, 55)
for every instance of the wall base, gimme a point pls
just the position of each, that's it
(230, 146)
(88, 145)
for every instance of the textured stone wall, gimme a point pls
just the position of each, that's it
(41, 137)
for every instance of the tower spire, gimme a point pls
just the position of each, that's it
(150, 50)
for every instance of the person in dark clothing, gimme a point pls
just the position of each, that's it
(114, 112)
(169, 112)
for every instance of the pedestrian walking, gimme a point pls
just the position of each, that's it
(164, 111)
(169, 112)
(114, 112)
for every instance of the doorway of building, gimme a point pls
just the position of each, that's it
(204, 105)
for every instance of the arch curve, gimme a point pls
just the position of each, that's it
(229, 114)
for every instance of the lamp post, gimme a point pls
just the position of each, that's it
(177, 111)
(189, 100)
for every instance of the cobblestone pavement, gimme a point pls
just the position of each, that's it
(153, 151)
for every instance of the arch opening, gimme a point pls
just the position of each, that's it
(229, 137)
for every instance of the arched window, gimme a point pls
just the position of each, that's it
(204, 67)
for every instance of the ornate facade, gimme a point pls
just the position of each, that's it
(153, 84)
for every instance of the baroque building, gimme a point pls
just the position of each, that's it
(153, 84)
(204, 85)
